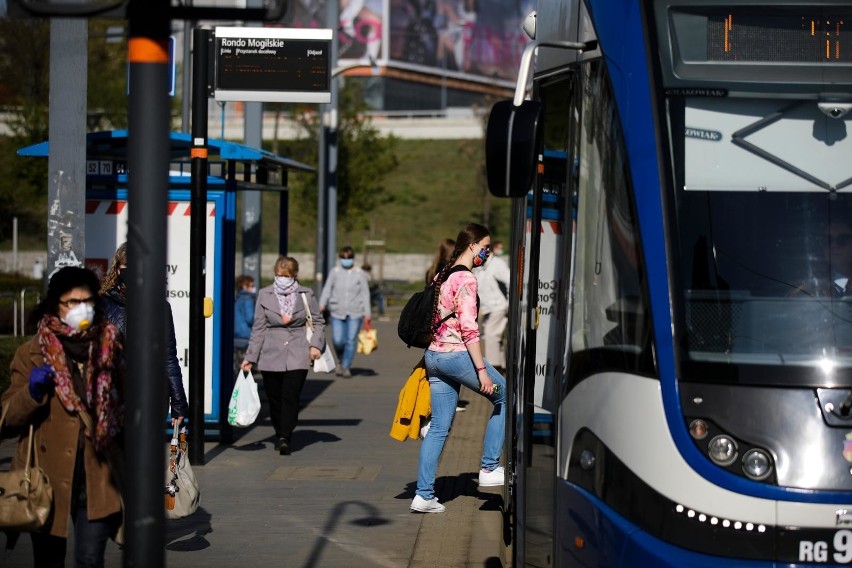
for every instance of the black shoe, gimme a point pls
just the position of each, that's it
(283, 446)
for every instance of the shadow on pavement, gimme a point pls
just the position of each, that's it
(448, 487)
(187, 534)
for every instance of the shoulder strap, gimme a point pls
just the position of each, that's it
(308, 317)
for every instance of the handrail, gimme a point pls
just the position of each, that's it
(24, 291)
(527, 57)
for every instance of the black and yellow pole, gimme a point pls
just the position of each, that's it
(201, 39)
(148, 157)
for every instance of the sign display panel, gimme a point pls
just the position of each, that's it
(273, 65)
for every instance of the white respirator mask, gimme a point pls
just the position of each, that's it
(80, 317)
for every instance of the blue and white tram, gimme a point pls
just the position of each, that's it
(696, 374)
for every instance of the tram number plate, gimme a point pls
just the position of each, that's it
(837, 550)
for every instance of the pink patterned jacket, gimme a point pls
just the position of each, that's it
(458, 294)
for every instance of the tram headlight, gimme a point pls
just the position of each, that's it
(698, 429)
(757, 464)
(722, 450)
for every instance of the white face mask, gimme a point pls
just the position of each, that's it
(80, 317)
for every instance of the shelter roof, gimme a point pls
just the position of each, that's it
(112, 145)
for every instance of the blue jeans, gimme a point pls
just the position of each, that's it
(344, 335)
(447, 372)
(90, 540)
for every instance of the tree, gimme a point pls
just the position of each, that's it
(364, 159)
(24, 91)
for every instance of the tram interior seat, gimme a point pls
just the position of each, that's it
(736, 322)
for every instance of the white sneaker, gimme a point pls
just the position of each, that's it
(421, 505)
(492, 478)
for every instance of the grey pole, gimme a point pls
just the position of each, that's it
(148, 158)
(186, 78)
(66, 162)
(252, 205)
(331, 141)
(253, 136)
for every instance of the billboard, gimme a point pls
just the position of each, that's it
(472, 39)
(361, 26)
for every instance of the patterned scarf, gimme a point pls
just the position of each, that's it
(286, 297)
(101, 394)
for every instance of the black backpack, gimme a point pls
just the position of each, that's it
(415, 323)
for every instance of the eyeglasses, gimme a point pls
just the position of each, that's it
(74, 302)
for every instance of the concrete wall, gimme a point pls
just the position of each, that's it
(404, 267)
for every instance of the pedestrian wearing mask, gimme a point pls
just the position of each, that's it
(493, 281)
(346, 294)
(243, 315)
(454, 358)
(114, 294)
(279, 348)
(74, 366)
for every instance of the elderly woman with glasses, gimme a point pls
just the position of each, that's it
(67, 382)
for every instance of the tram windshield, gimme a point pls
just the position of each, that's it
(764, 231)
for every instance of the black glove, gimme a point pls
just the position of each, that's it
(41, 381)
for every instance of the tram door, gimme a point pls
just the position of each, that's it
(548, 231)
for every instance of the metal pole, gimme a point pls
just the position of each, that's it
(148, 157)
(331, 141)
(284, 217)
(15, 245)
(198, 241)
(252, 202)
(186, 77)
(321, 268)
(66, 162)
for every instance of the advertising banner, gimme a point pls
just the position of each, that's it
(474, 39)
(107, 219)
(470, 37)
(360, 31)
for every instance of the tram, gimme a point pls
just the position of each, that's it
(680, 340)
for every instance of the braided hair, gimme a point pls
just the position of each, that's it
(111, 278)
(470, 234)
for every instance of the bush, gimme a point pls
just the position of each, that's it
(8, 345)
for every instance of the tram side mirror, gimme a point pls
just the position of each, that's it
(511, 140)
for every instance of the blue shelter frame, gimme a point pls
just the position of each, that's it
(232, 167)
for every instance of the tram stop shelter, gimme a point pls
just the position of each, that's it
(232, 168)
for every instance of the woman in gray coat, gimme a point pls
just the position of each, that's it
(278, 346)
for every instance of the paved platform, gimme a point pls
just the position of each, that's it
(342, 497)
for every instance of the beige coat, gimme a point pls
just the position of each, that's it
(56, 433)
(276, 346)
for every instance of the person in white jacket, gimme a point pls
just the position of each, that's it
(493, 283)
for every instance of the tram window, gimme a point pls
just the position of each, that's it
(762, 285)
(610, 328)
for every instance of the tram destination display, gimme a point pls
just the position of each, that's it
(273, 65)
(764, 34)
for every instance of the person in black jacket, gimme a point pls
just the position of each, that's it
(113, 293)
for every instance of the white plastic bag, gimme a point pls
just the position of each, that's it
(245, 402)
(325, 364)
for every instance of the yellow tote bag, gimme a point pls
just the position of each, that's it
(368, 340)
